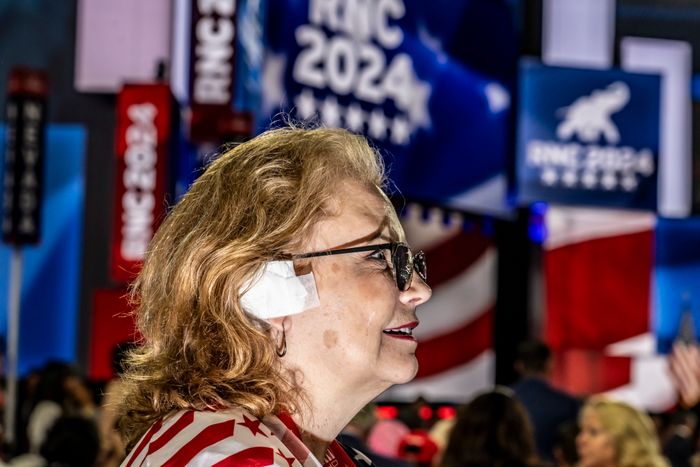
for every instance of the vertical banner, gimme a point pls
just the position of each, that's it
(50, 295)
(24, 157)
(144, 130)
(212, 66)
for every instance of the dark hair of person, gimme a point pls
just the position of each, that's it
(71, 442)
(533, 356)
(493, 430)
(52, 378)
(565, 442)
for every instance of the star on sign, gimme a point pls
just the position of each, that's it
(629, 182)
(569, 178)
(418, 108)
(377, 124)
(589, 180)
(273, 95)
(253, 425)
(330, 112)
(549, 176)
(609, 181)
(645, 163)
(306, 104)
(400, 130)
(355, 118)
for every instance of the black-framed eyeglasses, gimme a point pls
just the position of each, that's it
(403, 261)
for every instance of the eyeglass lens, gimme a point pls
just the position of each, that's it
(404, 264)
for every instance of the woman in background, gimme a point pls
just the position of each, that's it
(491, 431)
(615, 434)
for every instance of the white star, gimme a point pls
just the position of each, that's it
(355, 118)
(330, 112)
(549, 176)
(589, 179)
(497, 96)
(273, 94)
(609, 180)
(418, 107)
(306, 104)
(645, 162)
(377, 124)
(400, 131)
(569, 178)
(629, 182)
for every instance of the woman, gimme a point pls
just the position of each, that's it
(614, 434)
(276, 300)
(492, 430)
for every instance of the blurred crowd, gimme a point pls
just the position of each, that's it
(64, 420)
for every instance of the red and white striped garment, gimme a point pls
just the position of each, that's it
(228, 438)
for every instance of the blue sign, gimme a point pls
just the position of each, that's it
(429, 82)
(50, 295)
(677, 281)
(588, 137)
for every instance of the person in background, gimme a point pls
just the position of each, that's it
(71, 442)
(680, 442)
(564, 448)
(440, 433)
(112, 450)
(59, 392)
(355, 433)
(615, 434)
(492, 430)
(547, 406)
(275, 301)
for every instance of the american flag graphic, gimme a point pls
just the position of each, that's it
(598, 273)
(455, 331)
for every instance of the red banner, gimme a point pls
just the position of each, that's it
(144, 126)
(112, 324)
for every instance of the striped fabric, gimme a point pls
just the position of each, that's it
(227, 438)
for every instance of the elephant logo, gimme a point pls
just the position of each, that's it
(589, 116)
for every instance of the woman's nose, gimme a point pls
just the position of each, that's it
(417, 293)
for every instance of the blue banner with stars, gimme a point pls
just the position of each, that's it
(588, 137)
(429, 83)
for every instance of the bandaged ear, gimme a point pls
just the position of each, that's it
(277, 291)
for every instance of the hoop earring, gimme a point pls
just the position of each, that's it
(281, 349)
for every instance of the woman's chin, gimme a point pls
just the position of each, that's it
(406, 372)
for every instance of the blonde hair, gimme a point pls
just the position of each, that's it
(633, 433)
(257, 201)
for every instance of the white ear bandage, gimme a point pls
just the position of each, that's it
(277, 291)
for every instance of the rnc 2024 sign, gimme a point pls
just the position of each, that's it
(588, 136)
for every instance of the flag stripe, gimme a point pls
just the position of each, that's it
(144, 442)
(185, 420)
(449, 259)
(252, 457)
(457, 347)
(210, 435)
(460, 300)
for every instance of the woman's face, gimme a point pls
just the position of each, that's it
(594, 444)
(347, 340)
